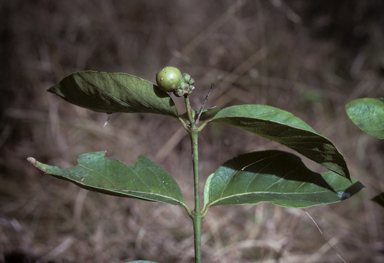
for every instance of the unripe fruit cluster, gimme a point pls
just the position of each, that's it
(170, 79)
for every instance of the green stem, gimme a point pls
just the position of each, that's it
(190, 112)
(195, 156)
(197, 233)
(196, 214)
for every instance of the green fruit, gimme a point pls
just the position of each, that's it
(169, 79)
(186, 77)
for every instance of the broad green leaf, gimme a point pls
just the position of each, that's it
(285, 128)
(205, 115)
(277, 177)
(144, 179)
(368, 115)
(114, 92)
(379, 199)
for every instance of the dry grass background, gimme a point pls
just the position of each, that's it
(307, 58)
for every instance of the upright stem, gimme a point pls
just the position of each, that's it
(195, 160)
(197, 232)
(196, 214)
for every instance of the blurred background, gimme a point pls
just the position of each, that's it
(307, 57)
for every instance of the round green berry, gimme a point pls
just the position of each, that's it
(169, 79)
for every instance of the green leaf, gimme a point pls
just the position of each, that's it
(114, 92)
(277, 177)
(368, 115)
(144, 179)
(285, 128)
(379, 199)
(141, 261)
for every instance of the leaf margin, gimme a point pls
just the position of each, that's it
(296, 125)
(352, 106)
(64, 89)
(46, 169)
(353, 187)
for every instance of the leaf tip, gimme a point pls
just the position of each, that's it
(51, 89)
(32, 160)
(37, 164)
(343, 195)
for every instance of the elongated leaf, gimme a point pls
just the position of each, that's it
(277, 177)
(114, 92)
(368, 115)
(285, 128)
(379, 199)
(144, 179)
